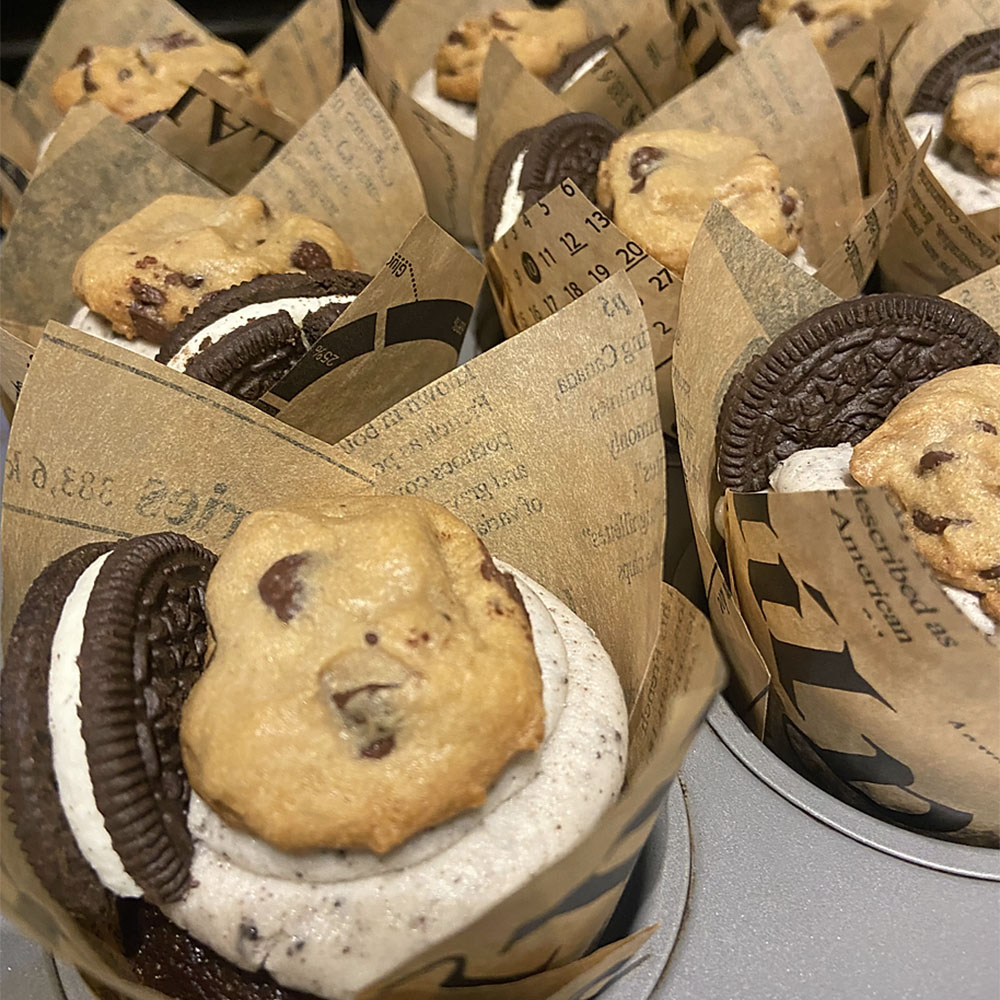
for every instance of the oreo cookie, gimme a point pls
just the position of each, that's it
(576, 63)
(245, 339)
(834, 377)
(531, 163)
(107, 644)
(977, 53)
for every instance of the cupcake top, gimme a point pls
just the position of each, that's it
(149, 272)
(539, 39)
(657, 186)
(147, 78)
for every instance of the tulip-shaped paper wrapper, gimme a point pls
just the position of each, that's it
(933, 245)
(214, 127)
(642, 70)
(880, 678)
(346, 167)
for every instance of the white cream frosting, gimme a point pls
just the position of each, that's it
(513, 198)
(829, 469)
(90, 322)
(460, 116)
(799, 259)
(584, 67)
(973, 190)
(333, 938)
(69, 751)
(297, 307)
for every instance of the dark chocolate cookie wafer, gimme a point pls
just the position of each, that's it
(28, 773)
(835, 377)
(572, 61)
(973, 54)
(570, 146)
(245, 339)
(168, 959)
(144, 642)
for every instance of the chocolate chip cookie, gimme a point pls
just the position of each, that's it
(149, 272)
(938, 454)
(149, 78)
(658, 186)
(539, 39)
(827, 21)
(973, 118)
(412, 679)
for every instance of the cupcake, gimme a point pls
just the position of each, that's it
(405, 744)
(541, 41)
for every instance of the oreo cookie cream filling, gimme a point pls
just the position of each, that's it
(69, 749)
(308, 918)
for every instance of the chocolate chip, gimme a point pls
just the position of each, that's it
(176, 40)
(380, 748)
(172, 279)
(88, 83)
(309, 256)
(498, 22)
(371, 638)
(193, 280)
(932, 459)
(932, 525)
(456, 38)
(146, 261)
(147, 323)
(806, 13)
(984, 426)
(145, 294)
(84, 56)
(280, 587)
(124, 73)
(788, 204)
(993, 573)
(248, 931)
(642, 163)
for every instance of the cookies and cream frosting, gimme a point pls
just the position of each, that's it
(333, 922)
